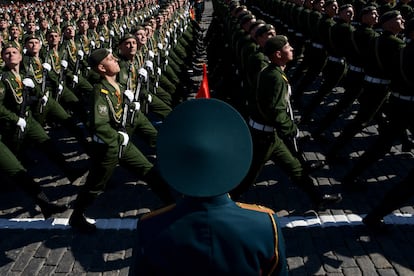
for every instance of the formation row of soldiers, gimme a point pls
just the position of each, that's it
(364, 47)
(63, 81)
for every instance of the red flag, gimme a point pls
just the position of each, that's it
(204, 91)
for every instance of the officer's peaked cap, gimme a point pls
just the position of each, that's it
(204, 148)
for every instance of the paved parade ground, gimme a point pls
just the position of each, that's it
(329, 242)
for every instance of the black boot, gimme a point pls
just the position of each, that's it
(47, 208)
(78, 220)
(34, 191)
(79, 223)
(319, 201)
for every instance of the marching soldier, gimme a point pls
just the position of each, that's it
(111, 141)
(272, 126)
(20, 96)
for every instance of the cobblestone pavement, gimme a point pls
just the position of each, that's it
(332, 242)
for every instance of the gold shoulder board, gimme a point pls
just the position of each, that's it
(158, 212)
(255, 207)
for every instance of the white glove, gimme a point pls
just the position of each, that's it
(129, 95)
(28, 82)
(166, 62)
(166, 53)
(21, 123)
(44, 100)
(60, 88)
(102, 39)
(149, 98)
(159, 71)
(151, 54)
(166, 40)
(159, 45)
(93, 44)
(124, 26)
(167, 33)
(80, 54)
(75, 79)
(47, 66)
(125, 138)
(149, 64)
(64, 64)
(181, 30)
(142, 72)
(111, 33)
(136, 106)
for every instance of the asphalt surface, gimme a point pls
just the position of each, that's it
(330, 242)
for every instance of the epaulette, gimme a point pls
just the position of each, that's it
(158, 212)
(255, 207)
(104, 91)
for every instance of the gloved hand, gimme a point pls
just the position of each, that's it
(159, 71)
(151, 54)
(129, 95)
(21, 123)
(64, 64)
(136, 106)
(93, 44)
(149, 98)
(80, 54)
(75, 79)
(47, 66)
(125, 138)
(28, 82)
(143, 73)
(60, 88)
(44, 100)
(149, 65)
(112, 33)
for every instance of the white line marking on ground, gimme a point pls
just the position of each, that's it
(130, 224)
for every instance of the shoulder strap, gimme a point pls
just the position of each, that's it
(158, 212)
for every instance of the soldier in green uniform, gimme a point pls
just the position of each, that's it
(75, 56)
(272, 127)
(400, 107)
(339, 34)
(357, 50)
(19, 125)
(103, 30)
(47, 80)
(132, 70)
(384, 50)
(133, 77)
(147, 49)
(111, 141)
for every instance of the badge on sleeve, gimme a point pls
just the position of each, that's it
(102, 110)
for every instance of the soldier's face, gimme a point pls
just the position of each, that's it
(53, 39)
(33, 46)
(83, 26)
(128, 47)
(141, 37)
(286, 54)
(109, 65)
(11, 56)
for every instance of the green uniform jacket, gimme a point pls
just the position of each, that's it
(272, 106)
(107, 113)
